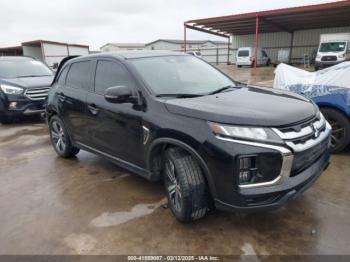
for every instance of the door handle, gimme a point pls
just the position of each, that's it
(93, 109)
(61, 97)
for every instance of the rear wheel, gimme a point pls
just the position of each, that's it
(239, 66)
(340, 129)
(60, 138)
(185, 185)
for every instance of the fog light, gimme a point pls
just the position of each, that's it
(248, 171)
(13, 105)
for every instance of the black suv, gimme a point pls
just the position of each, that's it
(24, 84)
(173, 117)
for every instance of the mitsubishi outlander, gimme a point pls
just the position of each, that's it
(173, 117)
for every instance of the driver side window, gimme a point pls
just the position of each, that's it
(109, 74)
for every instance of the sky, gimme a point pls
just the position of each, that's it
(96, 22)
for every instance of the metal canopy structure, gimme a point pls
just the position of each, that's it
(335, 14)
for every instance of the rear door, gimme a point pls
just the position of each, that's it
(243, 56)
(117, 128)
(72, 99)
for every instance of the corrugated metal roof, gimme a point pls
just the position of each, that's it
(177, 41)
(327, 15)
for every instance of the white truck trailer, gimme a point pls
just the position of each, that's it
(333, 49)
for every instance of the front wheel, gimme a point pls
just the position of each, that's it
(185, 185)
(340, 129)
(60, 138)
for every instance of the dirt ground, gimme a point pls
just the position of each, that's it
(88, 205)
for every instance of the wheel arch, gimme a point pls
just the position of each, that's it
(332, 106)
(157, 147)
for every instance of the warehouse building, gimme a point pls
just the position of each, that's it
(115, 47)
(296, 30)
(49, 52)
(172, 44)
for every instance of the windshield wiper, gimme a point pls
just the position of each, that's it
(220, 90)
(179, 95)
(31, 76)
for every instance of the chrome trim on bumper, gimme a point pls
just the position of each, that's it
(308, 130)
(287, 162)
(310, 143)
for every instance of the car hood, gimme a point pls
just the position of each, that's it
(251, 106)
(29, 82)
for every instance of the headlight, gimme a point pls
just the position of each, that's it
(247, 133)
(11, 90)
(318, 57)
(341, 56)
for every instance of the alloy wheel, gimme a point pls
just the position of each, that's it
(58, 136)
(338, 133)
(172, 185)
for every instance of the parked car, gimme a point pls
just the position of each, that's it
(24, 84)
(245, 57)
(329, 89)
(172, 117)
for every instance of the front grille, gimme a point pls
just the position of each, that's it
(37, 93)
(304, 159)
(329, 58)
(308, 141)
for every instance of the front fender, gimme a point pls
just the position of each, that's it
(162, 142)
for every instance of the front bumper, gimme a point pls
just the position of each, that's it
(24, 106)
(325, 64)
(289, 168)
(273, 197)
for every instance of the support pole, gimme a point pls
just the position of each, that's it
(228, 50)
(291, 47)
(185, 38)
(256, 43)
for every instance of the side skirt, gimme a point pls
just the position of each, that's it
(120, 162)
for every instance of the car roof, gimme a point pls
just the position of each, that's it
(13, 58)
(132, 54)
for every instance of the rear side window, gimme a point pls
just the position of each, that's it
(62, 78)
(79, 75)
(108, 74)
(243, 53)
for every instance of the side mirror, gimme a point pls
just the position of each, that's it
(119, 95)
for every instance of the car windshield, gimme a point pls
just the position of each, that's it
(180, 75)
(18, 68)
(243, 53)
(332, 47)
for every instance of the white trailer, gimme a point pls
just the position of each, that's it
(333, 49)
(51, 53)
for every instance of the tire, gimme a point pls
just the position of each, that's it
(340, 129)
(239, 66)
(185, 185)
(4, 120)
(317, 68)
(268, 63)
(60, 139)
